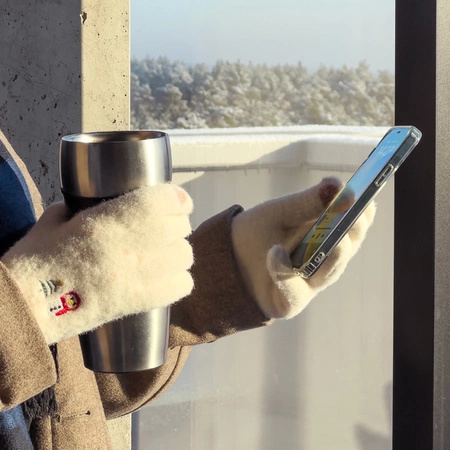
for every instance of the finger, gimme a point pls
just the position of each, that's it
(149, 232)
(168, 229)
(185, 200)
(334, 265)
(293, 292)
(163, 230)
(147, 201)
(358, 231)
(308, 205)
(336, 262)
(174, 258)
(162, 291)
(161, 199)
(148, 265)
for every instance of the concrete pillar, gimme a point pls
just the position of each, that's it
(64, 68)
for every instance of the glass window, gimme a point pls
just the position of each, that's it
(261, 63)
(295, 91)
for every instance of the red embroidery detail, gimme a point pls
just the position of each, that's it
(70, 302)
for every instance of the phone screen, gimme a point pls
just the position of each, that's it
(355, 188)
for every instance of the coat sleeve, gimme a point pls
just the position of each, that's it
(218, 306)
(23, 350)
(26, 364)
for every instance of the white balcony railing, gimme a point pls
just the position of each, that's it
(319, 381)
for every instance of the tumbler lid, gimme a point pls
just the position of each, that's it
(109, 163)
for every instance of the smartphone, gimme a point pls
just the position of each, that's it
(345, 209)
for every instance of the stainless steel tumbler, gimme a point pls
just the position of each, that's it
(99, 166)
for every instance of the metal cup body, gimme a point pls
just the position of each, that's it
(103, 165)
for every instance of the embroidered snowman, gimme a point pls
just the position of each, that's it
(70, 301)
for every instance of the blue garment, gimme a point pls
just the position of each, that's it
(14, 431)
(17, 215)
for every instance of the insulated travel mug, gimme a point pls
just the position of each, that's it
(95, 167)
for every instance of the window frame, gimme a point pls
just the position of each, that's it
(421, 415)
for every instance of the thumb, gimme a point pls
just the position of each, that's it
(309, 204)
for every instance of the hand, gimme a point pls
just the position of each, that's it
(264, 237)
(124, 256)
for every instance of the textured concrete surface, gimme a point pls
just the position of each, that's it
(120, 431)
(64, 68)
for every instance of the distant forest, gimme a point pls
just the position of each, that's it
(167, 95)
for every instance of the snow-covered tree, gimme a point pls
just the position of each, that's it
(167, 94)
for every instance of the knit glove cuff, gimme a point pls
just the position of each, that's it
(122, 257)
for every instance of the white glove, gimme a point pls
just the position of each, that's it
(264, 237)
(124, 256)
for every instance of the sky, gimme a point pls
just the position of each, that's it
(313, 32)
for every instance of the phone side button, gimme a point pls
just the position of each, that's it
(383, 177)
(319, 257)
